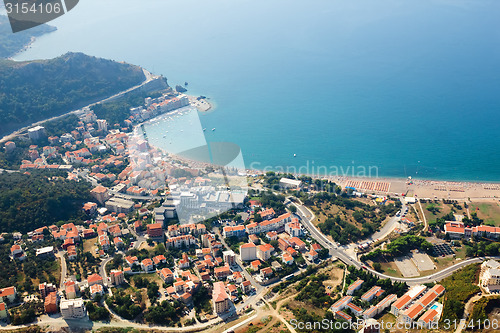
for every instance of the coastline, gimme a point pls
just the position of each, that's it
(418, 188)
(202, 105)
(23, 49)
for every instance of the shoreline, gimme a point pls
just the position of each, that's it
(417, 188)
(202, 105)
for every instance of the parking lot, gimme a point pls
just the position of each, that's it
(442, 249)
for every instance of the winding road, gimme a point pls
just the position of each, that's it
(307, 216)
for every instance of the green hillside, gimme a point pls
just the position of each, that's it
(40, 199)
(36, 90)
(11, 43)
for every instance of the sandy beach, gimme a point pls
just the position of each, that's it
(419, 188)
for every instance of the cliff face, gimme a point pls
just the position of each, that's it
(37, 90)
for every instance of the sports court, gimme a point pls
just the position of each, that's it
(406, 266)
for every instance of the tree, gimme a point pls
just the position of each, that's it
(153, 292)
(377, 266)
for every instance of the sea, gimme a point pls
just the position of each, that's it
(366, 88)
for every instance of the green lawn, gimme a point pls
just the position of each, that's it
(488, 211)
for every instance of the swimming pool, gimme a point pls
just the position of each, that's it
(434, 307)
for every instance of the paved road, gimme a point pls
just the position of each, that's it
(258, 288)
(388, 227)
(64, 268)
(307, 217)
(148, 77)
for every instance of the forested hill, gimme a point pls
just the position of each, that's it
(40, 199)
(11, 43)
(36, 90)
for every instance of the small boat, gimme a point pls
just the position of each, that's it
(213, 129)
(204, 129)
(164, 136)
(294, 155)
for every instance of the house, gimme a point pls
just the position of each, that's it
(95, 290)
(166, 275)
(246, 286)
(287, 258)
(254, 239)
(264, 251)
(160, 259)
(186, 298)
(131, 261)
(298, 244)
(220, 299)
(90, 208)
(222, 272)
(115, 230)
(248, 252)
(237, 277)
(94, 279)
(292, 252)
(255, 264)
(70, 289)
(283, 244)
(272, 235)
(294, 228)
(232, 289)
(10, 293)
(118, 242)
(267, 214)
(147, 265)
(3, 311)
(17, 253)
(266, 272)
(312, 255)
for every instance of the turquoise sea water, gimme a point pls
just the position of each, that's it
(409, 87)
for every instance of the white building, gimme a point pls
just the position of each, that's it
(490, 275)
(229, 257)
(248, 252)
(290, 183)
(73, 308)
(36, 133)
(102, 125)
